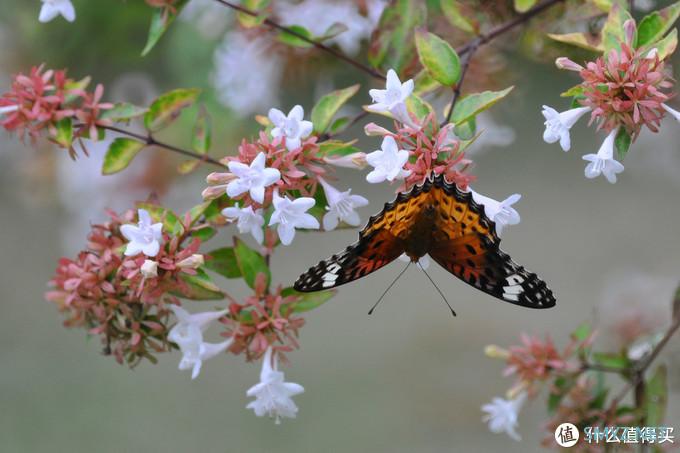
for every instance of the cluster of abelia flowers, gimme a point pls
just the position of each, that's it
(47, 102)
(422, 148)
(623, 90)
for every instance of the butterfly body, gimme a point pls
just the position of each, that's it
(438, 219)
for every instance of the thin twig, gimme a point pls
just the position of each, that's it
(339, 55)
(457, 89)
(151, 141)
(642, 366)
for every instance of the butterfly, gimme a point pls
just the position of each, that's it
(438, 219)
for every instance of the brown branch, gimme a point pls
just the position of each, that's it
(149, 140)
(457, 89)
(339, 55)
(638, 370)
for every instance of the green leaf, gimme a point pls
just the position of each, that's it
(199, 287)
(611, 360)
(333, 31)
(438, 58)
(457, 14)
(522, 6)
(223, 261)
(656, 397)
(339, 125)
(622, 144)
(167, 107)
(123, 111)
(420, 108)
(560, 388)
(202, 135)
(582, 332)
(294, 40)
(667, 45)
(337, 148)
(64, 136)
(120, 154)
(603, 5)
(161, 19)
(472, 104)
(251, 263)
(582, 40)
(392, 45)
(424, 83)
(307, 301)
(576, 90)
(171, 223)
(612, 32)
(656, 24)
(324, 110)
(249, 21)
(466, 130)
(204, 232)
(76, 85)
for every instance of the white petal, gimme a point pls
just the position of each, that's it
(258, 234)
(151, 249)
(236, 188)
(393, 82)
(352, 218)
(306, 128)
(258, 162)
(297, 113)
(293, 143)
(277, 117)
(407, 89)
(330, 221)
(376, 176)
(303, 204)
(257, 194)
(197, 369)
(673, 112)
(68, 11)
(307, 221)
(47, 13)
(286, 234)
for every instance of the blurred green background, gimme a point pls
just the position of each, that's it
(408, 378)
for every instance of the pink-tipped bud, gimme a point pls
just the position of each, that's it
(220, 178)
(210, 193)
(566, 63)
(372, 130)
(629, 29)
(193, 262)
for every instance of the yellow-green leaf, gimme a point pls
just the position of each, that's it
(123, 111)
(420, 108)
(582, 40)
(294, 39)
(324, 110)
(120, 154)
(198, 287)
(656, 24)
(337, 148)
(656, 397)
(456, 14)
(438, 58)
(167, 107)
(469, 106)
(257, 6)
(307, 301)
(522, 6)
(64, 136)
(424, 83)
(666, 47)
(612, 32)
(392, 45)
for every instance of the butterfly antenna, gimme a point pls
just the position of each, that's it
(437, 288)
(370, 312)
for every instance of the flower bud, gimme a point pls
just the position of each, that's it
(354, 160)
(566, 63)
(496, 352)
(213, 192)
(149, 269)
(193, 262)
(220, 178)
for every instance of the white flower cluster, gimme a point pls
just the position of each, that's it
(557, 129)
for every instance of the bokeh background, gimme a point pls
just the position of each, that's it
(408, 378)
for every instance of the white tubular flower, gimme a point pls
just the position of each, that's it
(149, 269)
(393, 98)
(388, 162)
(673, 112)
(188, 335)
(145, 237)
(502, 415)
(557, 124)
(501, 212)
(603, 163)
(53, 8)
(292, 127)
(273, 396)
(355, 160)
(290, 215)
(423, 261)
(8, 109)
(341, 207)
(253, 178)
(247, 220)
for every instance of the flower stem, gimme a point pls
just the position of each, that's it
(151, 141)
(339, 55)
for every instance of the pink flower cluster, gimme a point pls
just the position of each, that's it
(624, 87)
(300, 168)
(432, 151)
(265, 319)
(44, 97)
(105, 292)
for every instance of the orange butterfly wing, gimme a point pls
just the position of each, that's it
(463, 241)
